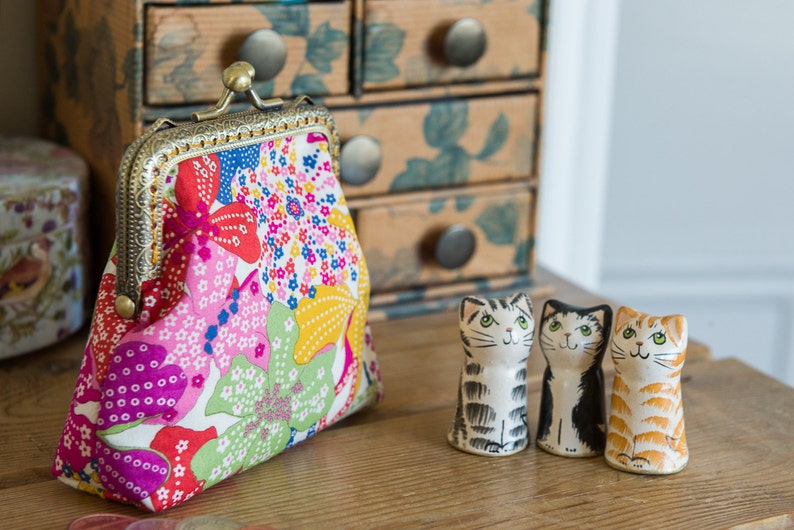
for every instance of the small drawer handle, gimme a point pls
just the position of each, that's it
(454, 247)
(465, 42)
(359, 160)
(266, 51)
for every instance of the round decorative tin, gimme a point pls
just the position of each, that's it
(42, 244)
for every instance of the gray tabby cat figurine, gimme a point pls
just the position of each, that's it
(572, 408)
(491, 414)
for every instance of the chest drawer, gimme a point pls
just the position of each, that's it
(296, 49)
(439, 238)
(428, 42)
(439, 144)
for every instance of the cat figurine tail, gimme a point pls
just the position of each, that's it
(572, 407)
(645, 433)
(491, 413)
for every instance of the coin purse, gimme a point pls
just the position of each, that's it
(231, 319)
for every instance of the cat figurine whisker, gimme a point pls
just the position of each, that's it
(491, 412)
(572, 408)
(645, 433)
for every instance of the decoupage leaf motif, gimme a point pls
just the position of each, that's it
(290, 20)
(416, 175)
(309, 84)
(451, 166)
(384, 41)
(499, 222)
(497, 135)
(324, 46)
(322, 320)
(446, 123)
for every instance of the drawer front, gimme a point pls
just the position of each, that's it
(437, 145)
(187, 48)
(401, 240)
(428, 42)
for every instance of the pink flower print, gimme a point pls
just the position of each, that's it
(69, 460)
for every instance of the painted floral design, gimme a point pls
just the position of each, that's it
(254, 337)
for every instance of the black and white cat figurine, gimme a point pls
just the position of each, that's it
(572, 407)
(491, 414)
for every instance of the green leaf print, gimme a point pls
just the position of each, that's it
(497, 135)
(436, 205)
(446, 123)
(384, 42)
(463, 202)
(265, 89)
(451, 166)
(416, 174)
(498, 222)
(309, 84)
(292, 21)
(269, 404)
(521, 259)
(324, 46)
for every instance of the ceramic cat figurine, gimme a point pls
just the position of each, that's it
(572, 410)
(645, 433)
(491, 414)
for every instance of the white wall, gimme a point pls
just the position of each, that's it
(698, 213)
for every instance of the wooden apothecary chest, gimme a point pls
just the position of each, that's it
(438, 104)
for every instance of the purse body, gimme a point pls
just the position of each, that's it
(231, 319)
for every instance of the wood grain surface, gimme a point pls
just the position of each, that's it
(391, 467)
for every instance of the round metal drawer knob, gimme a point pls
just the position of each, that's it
(455, 247)
(465, 42)
(359, 160)
(266, 51)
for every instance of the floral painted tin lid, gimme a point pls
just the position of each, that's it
(43, 188)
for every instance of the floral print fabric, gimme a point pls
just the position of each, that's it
(254, 337)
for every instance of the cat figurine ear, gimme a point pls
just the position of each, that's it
(645, 433)
(572, 409)
(491, 413)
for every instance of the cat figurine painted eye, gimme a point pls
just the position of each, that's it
(645, 432)
(572, 410)
(491, 413)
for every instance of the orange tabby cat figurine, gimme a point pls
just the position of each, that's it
(645, 433)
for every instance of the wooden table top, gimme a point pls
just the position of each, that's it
(391, 466)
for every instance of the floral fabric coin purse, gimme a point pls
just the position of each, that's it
(231, 319)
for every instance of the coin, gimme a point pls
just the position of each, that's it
(102, 521)
(155, 523)
(208, 522)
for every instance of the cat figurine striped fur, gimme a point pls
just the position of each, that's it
(645, 432)
(491, 413)
(572, 408)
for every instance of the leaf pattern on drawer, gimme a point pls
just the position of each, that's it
(324, 45)
(444, 126)
(384, 44)
(498, 222)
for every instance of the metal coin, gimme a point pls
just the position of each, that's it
(208, 522)
(156, 523)
(102, 521)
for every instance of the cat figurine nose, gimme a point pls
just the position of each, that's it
(638, 343)
(568, 334)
